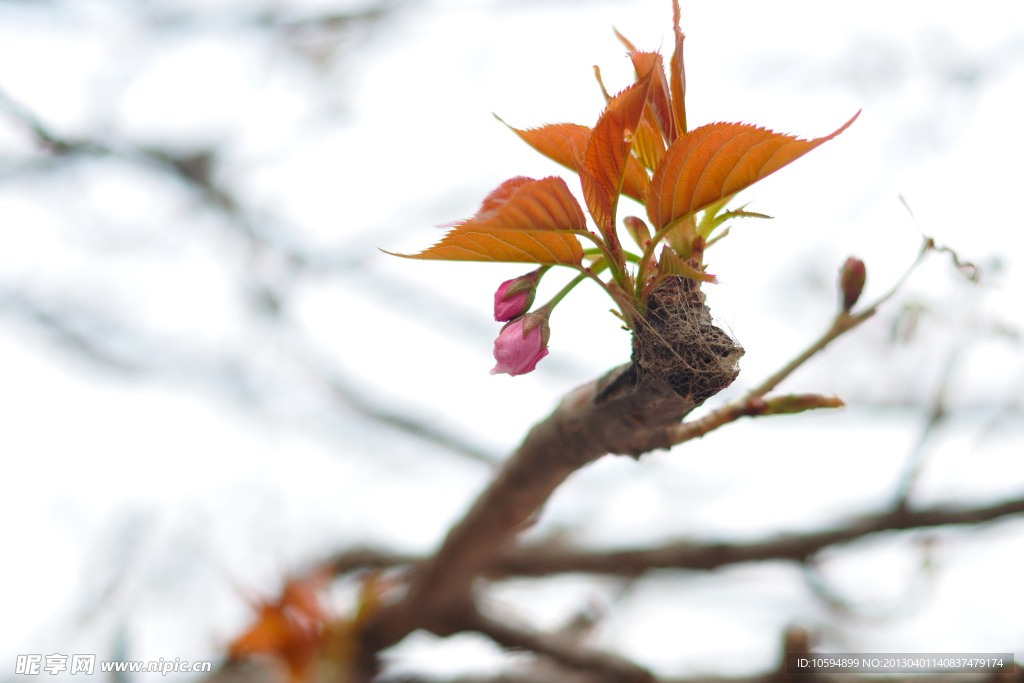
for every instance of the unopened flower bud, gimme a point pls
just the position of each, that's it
(851, 282)
(514, 297)
(522, 343)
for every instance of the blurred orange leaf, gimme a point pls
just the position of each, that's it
(717, 160)
(289, 628)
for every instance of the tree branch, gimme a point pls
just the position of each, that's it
(629, 411)
(611, 415)
(545, 561)
(527, 562)
(607, 667)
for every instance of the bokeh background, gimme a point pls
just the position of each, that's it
(211, 378)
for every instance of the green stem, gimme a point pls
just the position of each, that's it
(550, 305)
(601, 247)
(630, 256)
(645, 260)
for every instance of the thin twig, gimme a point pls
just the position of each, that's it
(607, 667)
(747, 405)
(936, 416)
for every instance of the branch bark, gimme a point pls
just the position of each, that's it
(613, 415)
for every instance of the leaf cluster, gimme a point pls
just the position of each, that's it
(640, 147)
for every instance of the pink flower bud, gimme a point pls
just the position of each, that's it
(522, 343)
(851, 281)
(514, 297)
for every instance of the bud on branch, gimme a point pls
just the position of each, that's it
(514, 297)
(851, 282)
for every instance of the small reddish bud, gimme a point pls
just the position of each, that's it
(851, 281)
(638, 230)
(756, 406)
(698, 248)
(521, 344)
(514, 297)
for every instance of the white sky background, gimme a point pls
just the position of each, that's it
(137, 509)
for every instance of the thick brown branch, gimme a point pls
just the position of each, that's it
(612, 415)
(679, 359)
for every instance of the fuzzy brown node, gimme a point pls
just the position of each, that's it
(678, 342)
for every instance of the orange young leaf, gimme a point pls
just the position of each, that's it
(635, 181)
(678, 78)
(656, 123)
(638, 230)
(600, 82)
(530, 205)
(624, 40)
(508, 246)
(648, 144)
(558, 141)
(717, 160)
(658, 103)
(500, 196)
(671, 264)
(522, 221)
(608, 151)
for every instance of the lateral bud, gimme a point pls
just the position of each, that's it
(638, 230)
(851, 282)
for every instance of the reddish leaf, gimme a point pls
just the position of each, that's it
(648, 145)
(658, 103)
(678, 78)
(638, 230)
(557, 142)
(531, 205)
(522, 221)
(510, 246)
(501, 195)
(600, 82)
(608, 152)
(624, 40)
(636, 180)
(717, 160)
